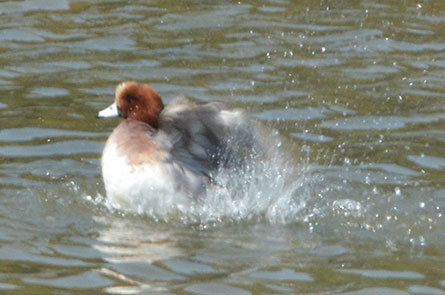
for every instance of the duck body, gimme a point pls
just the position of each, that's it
(171, 154)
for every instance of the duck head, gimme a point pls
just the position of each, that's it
(135, 101)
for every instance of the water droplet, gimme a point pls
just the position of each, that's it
(367, 180)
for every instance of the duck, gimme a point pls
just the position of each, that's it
(170, 153)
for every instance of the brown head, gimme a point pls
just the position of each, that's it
(135, 101)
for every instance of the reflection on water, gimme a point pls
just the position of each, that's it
(353, 89)
(125, 243)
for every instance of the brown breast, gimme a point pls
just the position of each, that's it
(134, 141)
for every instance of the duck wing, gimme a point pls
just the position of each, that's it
(203, 137)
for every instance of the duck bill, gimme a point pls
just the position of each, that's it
(109, 112)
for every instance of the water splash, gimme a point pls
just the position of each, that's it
(269, 189)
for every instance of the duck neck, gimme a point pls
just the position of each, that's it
(151, 116)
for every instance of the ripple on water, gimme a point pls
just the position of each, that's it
(425, 290)
(384, 274)
(12, 253)
(4, 286)
(379, 122)
(312, 137)
(390, 168)
(331, 251)
(232, 85)
(307, 62)
(215, 289)
(294, 114)
(370, 72)
(51, 169)
(30, 133)
(21, 35)
(111, 43)
(86, 280)
(48, 92)
(145, 271)
(374, 291)
(71, 147)
(83, 252)
(220, 17)
(189, 268)
(52, 67)
(391, 45)
(240, 50)
(46, 67)
(30, 5)
(342, 39)
(436, 163)
(141, 63)
(282, 275)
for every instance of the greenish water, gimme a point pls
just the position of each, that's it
(354, 88)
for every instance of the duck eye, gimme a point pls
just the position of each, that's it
(129, 98)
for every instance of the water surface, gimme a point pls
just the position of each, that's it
(354, 90)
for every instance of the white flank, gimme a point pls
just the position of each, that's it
(145, 188)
